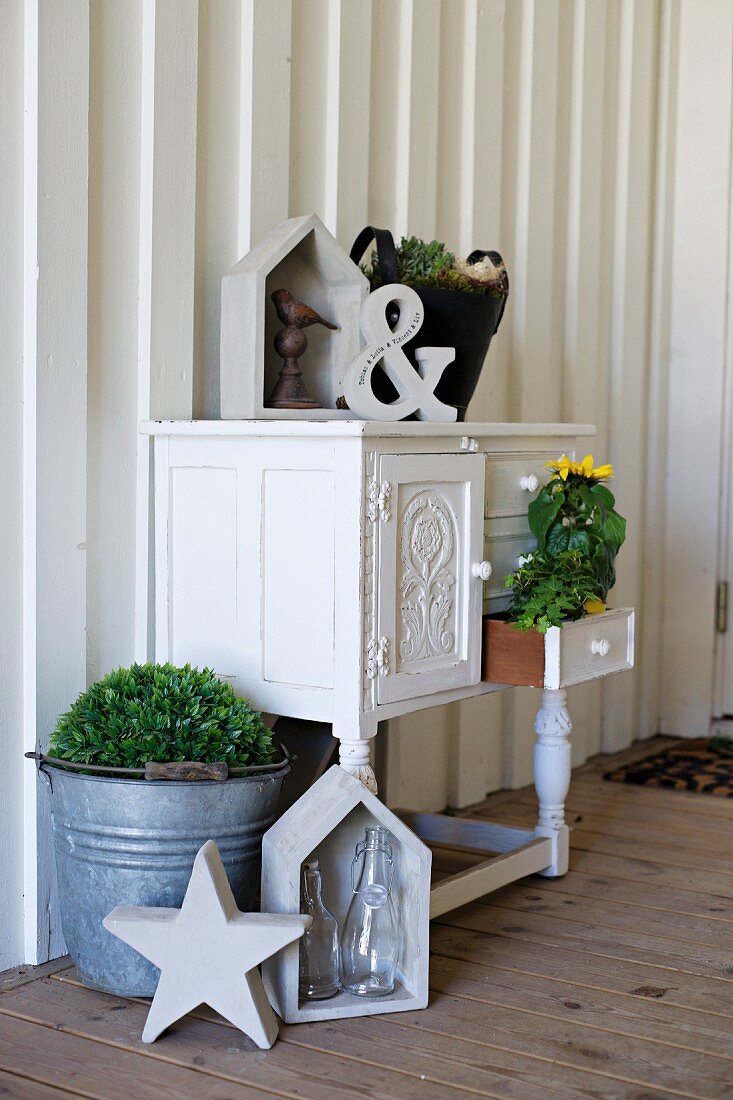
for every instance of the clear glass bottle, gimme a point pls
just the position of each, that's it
(319, 945)
(370, 937)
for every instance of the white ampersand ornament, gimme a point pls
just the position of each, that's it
(416, 388)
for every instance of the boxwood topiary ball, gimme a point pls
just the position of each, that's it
(161, 713)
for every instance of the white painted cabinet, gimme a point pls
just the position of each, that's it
(337, 571)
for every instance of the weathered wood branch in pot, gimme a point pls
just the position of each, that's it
(186, 769)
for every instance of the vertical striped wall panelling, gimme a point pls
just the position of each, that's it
(549, 129)
(487, 123)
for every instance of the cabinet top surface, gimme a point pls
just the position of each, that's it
(355, 428)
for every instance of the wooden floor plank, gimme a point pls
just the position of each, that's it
(606, 1010)
(55, 1056)
(27, 1088)
(628, 1058)
(607, 942)
(650, 801)
(440, 1056)
(714, 914)
(618, 820)
(310, 1060)
(642, 871)
(621, 799)
(21, 975)
(534, 895)
(372, 1041)
(579, 968)
(692, 855)
(664, 923)
(638, 750)
(670, 804)
(711, 914)
(455, 1031)
(613, 981)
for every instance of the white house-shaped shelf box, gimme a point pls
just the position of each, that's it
(326, 824)
(300, 256)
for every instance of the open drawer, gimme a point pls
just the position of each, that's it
(583, 650)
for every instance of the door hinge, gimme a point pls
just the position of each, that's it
(380, 498)
(377, 658)
(721, 608)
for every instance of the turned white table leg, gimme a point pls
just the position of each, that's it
(552, 776)
(354, 757)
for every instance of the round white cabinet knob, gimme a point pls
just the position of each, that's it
(530, 483)
(600, 646)
(481, 570)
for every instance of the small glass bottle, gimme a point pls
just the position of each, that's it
(370, 937)
(319, 944)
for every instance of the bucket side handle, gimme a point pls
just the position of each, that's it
(496, 259)
(40, 758)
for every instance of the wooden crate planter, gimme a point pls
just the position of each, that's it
(325, 824)
(594, 646)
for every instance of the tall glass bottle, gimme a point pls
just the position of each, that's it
(319, 945)
(370, 937)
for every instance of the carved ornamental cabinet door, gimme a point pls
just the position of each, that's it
(429, 586)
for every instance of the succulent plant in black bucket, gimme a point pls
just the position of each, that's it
(464, 302)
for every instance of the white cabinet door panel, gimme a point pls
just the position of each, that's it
(429, 602)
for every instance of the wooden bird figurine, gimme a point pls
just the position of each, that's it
(290, 343)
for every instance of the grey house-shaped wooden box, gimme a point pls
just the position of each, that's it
(299, 255)
(326, 823)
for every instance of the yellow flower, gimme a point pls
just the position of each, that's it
(594, 607)
(564, 467)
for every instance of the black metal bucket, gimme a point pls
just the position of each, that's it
(453, 318)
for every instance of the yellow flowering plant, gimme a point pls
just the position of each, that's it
(576, 511)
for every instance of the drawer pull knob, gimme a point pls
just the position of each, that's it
(600, 646)
(481, 570)
(530, 483)
(469, 444)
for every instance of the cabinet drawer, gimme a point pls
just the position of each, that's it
(583, 650)
(590, 647)
(505, 544)
(511, 483)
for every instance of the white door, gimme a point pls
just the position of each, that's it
(428, 600)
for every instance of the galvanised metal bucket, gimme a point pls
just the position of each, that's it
(133, 842)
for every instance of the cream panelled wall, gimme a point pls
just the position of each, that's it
(548, 129)
(523, 126)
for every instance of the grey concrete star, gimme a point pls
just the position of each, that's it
(208, 951)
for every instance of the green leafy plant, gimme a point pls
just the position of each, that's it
(430, 264)
(550, 588)
(574, 511)
(161, 713)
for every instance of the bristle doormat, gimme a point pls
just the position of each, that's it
(704, 766)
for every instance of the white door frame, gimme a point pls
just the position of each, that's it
(697, 360)
(722, 702)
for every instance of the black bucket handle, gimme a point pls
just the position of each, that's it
(386, 252)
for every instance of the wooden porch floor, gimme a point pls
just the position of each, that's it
(615, 981)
